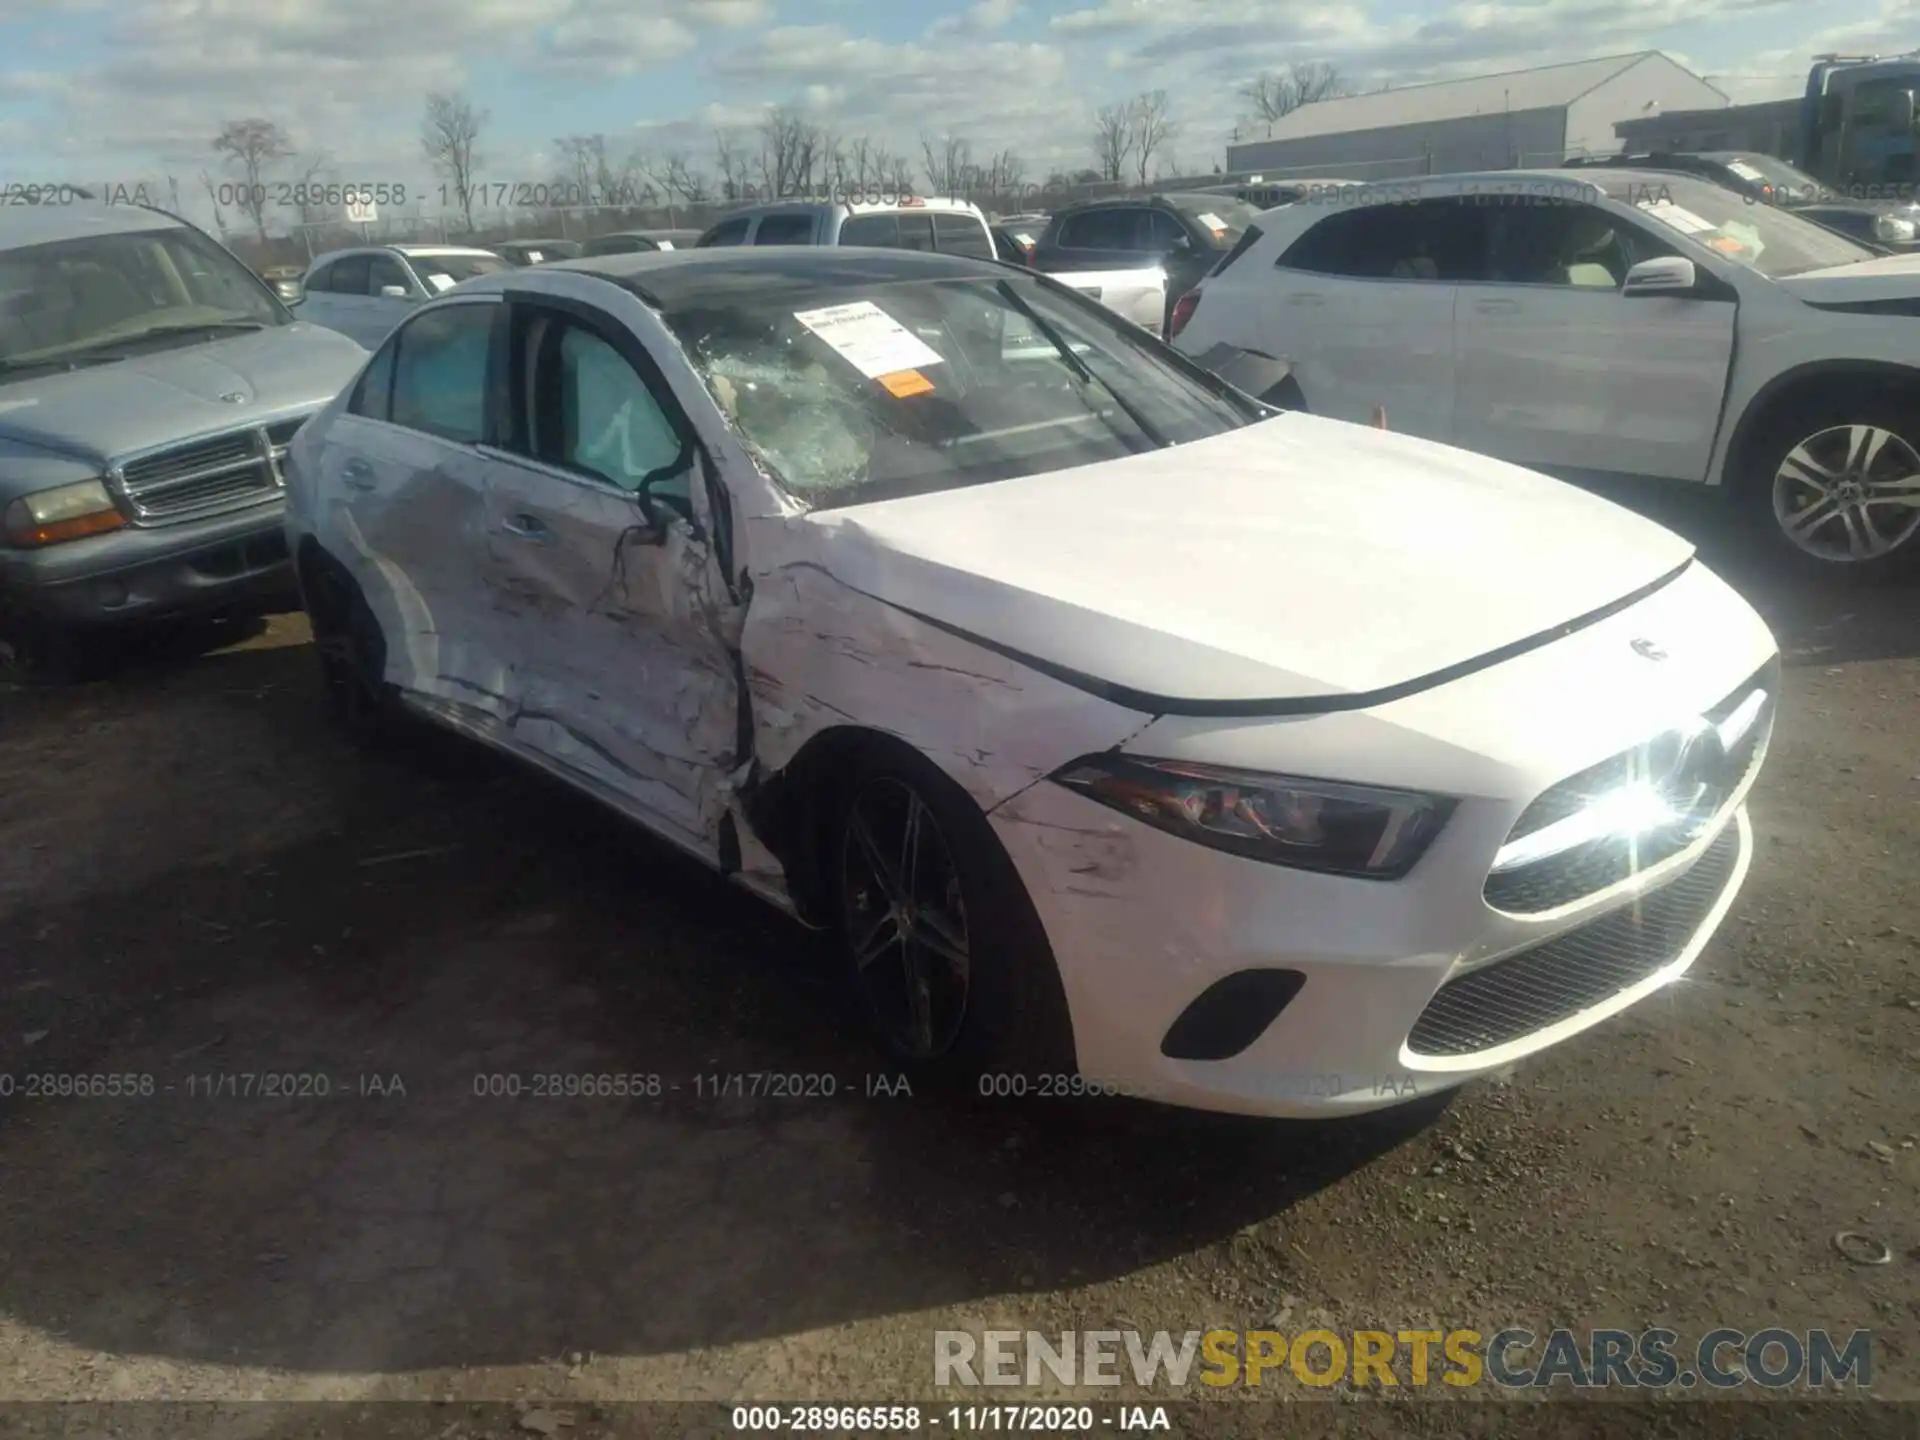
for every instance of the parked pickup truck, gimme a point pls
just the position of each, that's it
(1142, 252)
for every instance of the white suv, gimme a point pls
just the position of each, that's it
(912, 222)
(1589, 324)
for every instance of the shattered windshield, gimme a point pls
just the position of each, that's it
(862, 393)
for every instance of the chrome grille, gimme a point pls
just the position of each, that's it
(208, 476)
(1587, 869)
(1514, 997)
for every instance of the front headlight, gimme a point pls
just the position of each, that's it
(1893, 228)
(67, 512)
(1322, 825)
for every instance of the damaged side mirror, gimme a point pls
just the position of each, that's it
(658, 507)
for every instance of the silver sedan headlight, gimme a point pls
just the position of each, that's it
(1321, 825)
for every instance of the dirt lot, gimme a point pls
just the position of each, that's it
(199, 880)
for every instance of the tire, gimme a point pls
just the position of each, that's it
(1012, 1013)
(352, 654)
(1860, 533)
(33, 652)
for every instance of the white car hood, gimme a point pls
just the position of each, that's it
(1296, 558)
(1890, 277)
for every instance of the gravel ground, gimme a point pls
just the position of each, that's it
(198, 879)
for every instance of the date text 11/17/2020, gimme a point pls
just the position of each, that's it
(545, 195)
(711, 1085)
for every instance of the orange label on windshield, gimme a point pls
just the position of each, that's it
(902, 383)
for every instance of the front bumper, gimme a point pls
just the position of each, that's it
(1405, 988)
(235, 562)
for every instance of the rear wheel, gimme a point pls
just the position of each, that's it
(1836, 485)
(945, 952)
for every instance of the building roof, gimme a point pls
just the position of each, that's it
(1544, 88)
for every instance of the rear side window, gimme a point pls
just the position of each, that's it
(1110, 229)
(784, 230)
(962, 235)
(727, 232)
(440, 372)
(874, 230)
(1442, 240)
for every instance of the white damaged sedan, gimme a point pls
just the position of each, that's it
(1131, 737)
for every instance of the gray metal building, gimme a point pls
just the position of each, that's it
(1771, 127)
(1520, 118)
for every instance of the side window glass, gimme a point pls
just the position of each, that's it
(372, 395)
(1426, 240)
(962, 235)
(385, 270)
(784, 230)
(731, 232)
(440, 373)
(1571, 245)
(1109, 229)
(1163, 231)
(320, 281)
(350, 276)
(877, 230)
(610, 423)
(916, 232)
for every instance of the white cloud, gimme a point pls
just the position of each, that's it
(348, 76)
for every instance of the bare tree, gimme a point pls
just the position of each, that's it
(677, 179)
(307, 201)
(449, 136)
(213, 197)
(1149, 127)
(859, 162)
(790, 149)
(892, 173)
(1112, 141)
(583, 158)
(949, 165)
(731, 160)
(1006, 172)
(1305, 82)
(252, 148)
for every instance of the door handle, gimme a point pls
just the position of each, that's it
(357, 473)
(1497, 307)
(527, 527)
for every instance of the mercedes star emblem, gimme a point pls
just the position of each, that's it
(1648, 650)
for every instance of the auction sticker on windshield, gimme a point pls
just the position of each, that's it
(1685, 221)
(1745, 171)
(869, 339)
(440, 281)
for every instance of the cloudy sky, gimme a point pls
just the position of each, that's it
(103, 89)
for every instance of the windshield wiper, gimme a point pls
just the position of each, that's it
(1079, 367)
(185, 327)
(54, 362)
